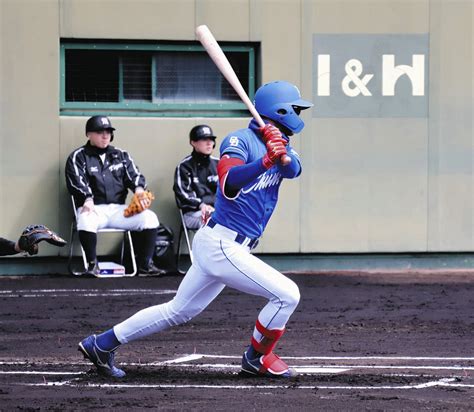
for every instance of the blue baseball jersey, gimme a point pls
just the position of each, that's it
(249, 212)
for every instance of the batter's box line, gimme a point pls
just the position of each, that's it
(436, 358)
(444, 382)
(309, 369)
(198, 356)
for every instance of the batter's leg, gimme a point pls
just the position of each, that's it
(245, 272)
(249, 274)
(196, 291)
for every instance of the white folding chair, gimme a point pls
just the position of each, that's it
(127, 237)
(187, 235)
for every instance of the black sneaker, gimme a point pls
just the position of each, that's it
(150, 270)
(92, 270)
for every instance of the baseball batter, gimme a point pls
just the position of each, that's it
(250, 174)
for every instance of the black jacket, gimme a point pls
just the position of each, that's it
(195, 181)
(7, 247)
(108, 182)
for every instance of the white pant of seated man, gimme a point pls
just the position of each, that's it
(193, 220)
(111, 216)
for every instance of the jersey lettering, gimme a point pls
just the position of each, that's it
(264, 181)
(116, 166)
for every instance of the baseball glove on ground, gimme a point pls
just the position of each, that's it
(140, 202)
(34, 234)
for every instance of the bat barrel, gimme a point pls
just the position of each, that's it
(215, 52)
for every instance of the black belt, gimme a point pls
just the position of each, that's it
(238, 238)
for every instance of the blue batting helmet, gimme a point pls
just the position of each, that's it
(281, 102)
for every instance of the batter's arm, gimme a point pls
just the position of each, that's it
(234, 174)
(292, 169)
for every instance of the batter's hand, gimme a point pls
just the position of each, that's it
(275, 150)
(270, 132)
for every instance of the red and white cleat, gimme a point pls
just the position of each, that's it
(270, 366)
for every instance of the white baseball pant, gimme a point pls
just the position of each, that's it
(111, 216)
(219, 261)
(193, 220)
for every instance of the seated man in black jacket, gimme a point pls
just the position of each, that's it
(195, 181)
(99, 176)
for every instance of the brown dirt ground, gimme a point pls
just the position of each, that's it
(354, 315)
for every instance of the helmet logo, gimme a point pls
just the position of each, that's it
(206, 130)
(105, 121)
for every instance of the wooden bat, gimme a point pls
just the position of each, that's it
(215, 52)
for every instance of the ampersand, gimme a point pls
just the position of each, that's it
(354, 70)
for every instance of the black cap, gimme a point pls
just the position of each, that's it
(201, 132)
(98, 123)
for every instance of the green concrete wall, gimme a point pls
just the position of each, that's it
(369, 184)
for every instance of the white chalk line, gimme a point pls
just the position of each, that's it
(436, 358)
(182, 361)
(308, 369)
(38, 293)
(186, 358)
(324, 368)
(305, 369)
(302, 369)
(445, 382)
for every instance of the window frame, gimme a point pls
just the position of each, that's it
(151, 109)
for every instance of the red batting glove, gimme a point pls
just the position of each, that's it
(270, 132)
(275, 150)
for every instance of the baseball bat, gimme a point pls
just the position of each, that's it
(215, 52)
